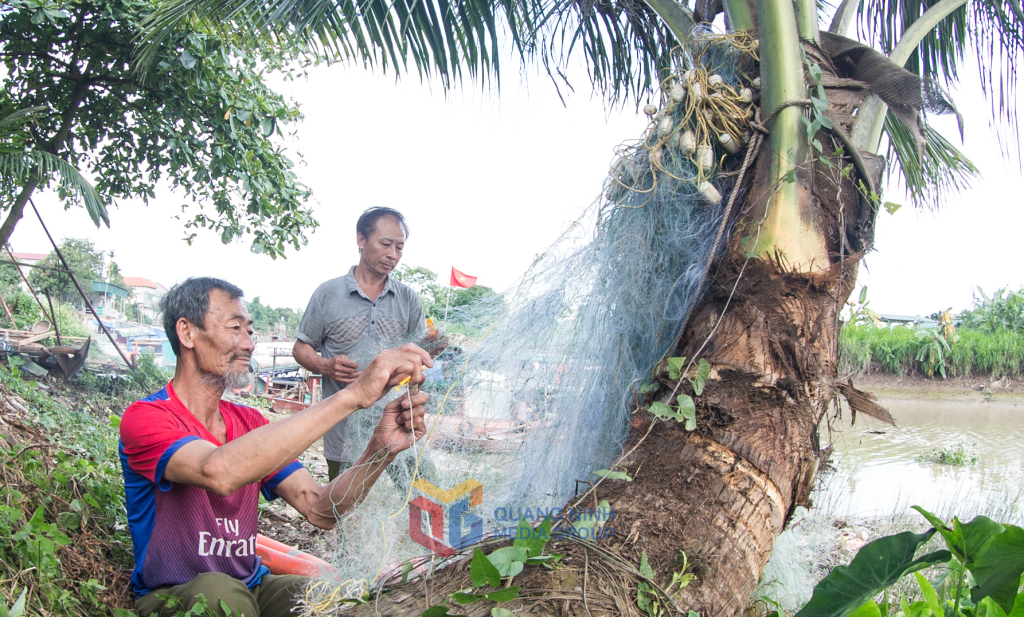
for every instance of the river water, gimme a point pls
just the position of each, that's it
(876, 476)
(877, 471)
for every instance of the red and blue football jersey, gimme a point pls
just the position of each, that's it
(180, 531)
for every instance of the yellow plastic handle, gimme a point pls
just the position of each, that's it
(406, 380)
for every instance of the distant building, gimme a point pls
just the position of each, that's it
(146, 295)
(106, 302)
(30, 259)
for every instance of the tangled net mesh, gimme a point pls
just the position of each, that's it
(539, 392)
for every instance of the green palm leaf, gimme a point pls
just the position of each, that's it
(16, 167)
(624, 44)
(627, 48)
(929, 182)
(18, 164)
(433, 37)
(990, 30)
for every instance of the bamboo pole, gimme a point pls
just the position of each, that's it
(74, 280)
(53, 316)
(8, 311)
(32, 291)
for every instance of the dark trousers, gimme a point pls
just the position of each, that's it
(275, 596)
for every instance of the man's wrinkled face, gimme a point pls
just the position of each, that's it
(382, 251)
(224, 346)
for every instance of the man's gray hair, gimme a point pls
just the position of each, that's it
(191, 299)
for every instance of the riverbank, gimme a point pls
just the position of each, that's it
(974, 389)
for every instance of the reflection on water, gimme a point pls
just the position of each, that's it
(877, 472)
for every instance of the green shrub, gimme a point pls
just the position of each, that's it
(1004, 310)
(107, 394)
(956, 455)
(63, 524)
(898, 351)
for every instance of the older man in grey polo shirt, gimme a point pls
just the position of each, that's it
(353, 317)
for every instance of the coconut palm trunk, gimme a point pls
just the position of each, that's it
(768, 325)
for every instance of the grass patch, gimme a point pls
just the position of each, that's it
(956, 455)
(64, 540)
(867, 348)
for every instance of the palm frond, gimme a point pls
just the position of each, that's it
(13, 121)
(993, 29)
(436, 38)
(627, 48)
(18, 167)
(12, 135)
(623, 42)
(943, 172)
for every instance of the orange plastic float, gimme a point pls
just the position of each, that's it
(283, 559)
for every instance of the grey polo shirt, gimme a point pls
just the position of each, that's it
(342, 320)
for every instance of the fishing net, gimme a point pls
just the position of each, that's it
(537, 391)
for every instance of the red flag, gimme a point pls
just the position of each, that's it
(462, 280)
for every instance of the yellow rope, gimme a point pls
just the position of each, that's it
(707, 111)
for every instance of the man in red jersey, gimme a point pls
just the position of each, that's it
(194, 464)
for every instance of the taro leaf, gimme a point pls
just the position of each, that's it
(463, 597)
(892, 207)
(930, 597)
(876, 566)
(687, 411)
(545, 560)
(870, 609)
(497, 611)
(965, 541)
(438, 611)
(663, 411)
(703, 372)
(613, 475)
(508, 560)
(647, 388)
(1000, 564)
(533, 540)
(975, 537)
(1007, 594)
(503, 595)
(587, 524)
(675, 367)
(942, 528)
(482, 571)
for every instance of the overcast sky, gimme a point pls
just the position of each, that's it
(487, 180)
